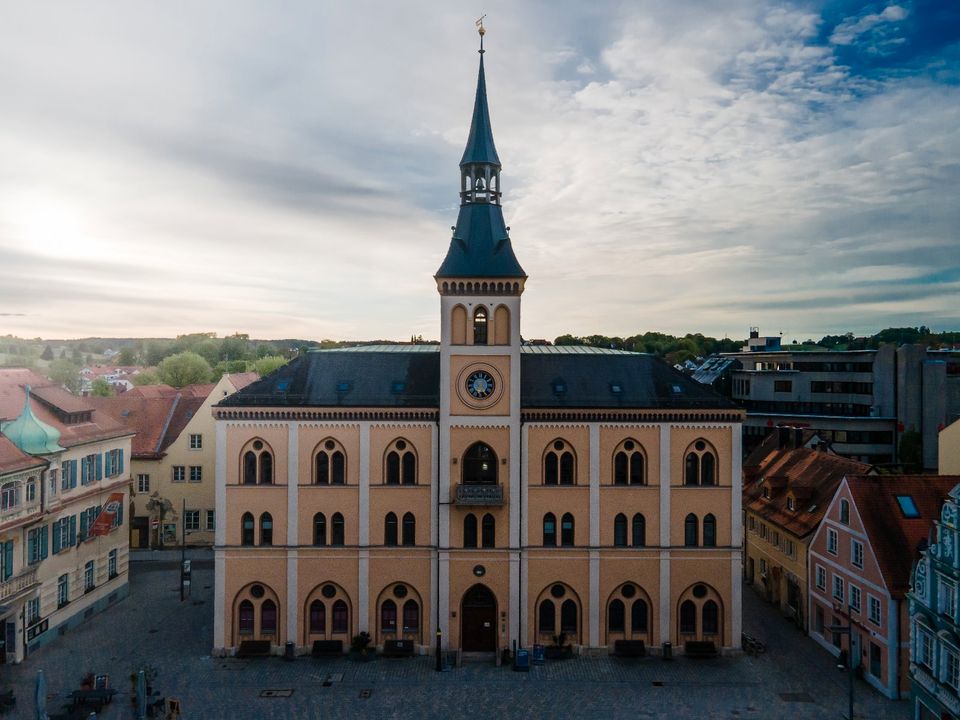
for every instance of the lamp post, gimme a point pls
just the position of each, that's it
(848, 631)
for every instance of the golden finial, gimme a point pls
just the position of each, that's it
(481, 30)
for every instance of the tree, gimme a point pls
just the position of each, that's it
(127, 356)
(47, 353)
(186, 368)
(67, 374)
(146, 377)
(100, 388)
(266, 365)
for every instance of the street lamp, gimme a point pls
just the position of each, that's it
(848, 631)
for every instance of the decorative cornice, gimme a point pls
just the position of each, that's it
(726, 416)
(327, 414)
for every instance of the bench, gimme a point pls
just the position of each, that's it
(700, 649)
(327, 648)
(398, 648)
(254, 648)
(91, 698)
(629, 648)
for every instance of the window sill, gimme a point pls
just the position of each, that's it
(63, 604)
(89, 590)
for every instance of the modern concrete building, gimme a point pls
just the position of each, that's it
(861, 561)
(62, 522)
(935, 620)
(483, 489)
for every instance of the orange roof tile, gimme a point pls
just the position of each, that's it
(12, 459)
(157, 421)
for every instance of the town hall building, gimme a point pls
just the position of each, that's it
(494, 492)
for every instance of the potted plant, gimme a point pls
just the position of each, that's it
(360, 649)
(560, 650)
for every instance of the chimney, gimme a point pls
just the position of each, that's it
(783, 437)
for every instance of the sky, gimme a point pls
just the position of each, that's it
(290, 169)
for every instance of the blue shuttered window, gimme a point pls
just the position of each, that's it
(99, 467)
(8, 560)
(108, 462)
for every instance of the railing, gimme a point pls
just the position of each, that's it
(479, 494)
(18, 583)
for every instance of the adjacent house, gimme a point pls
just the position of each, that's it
(949, 440)
(861, 559)
(63, 483)
(934, 620)
(788, 482)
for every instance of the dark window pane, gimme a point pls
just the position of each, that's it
(339, 615)
(551, 469)
(388, 616)
(707, 474)
(393, 468)
(266, 468)
(566, 468)
(636, 469)
(409, 469)
(480, 465)
(620, 530)
(711, 618)
(470, 531)
(568, 617)
(616, 617)
(268, 618)
(688, 617)
(411, 616)
(620, 468)
(247, 527)
(480, 326)
(246, 618)
(338, 469)
(266, 529)
(318, 617)
(337, 530)
(390, 529)
(550, 530)
(691, 474)
(547, 617)
(639, 530)
(323, 468)
(709, 531)
(488, 539)
(409, 529)
(566, 530)
(690, 531)
(250, 471)
(319, 529)
(638, 616)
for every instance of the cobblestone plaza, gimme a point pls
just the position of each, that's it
(794, 678)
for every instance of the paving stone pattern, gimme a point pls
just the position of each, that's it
(794, 679)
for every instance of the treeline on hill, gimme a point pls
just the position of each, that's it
(899, 336)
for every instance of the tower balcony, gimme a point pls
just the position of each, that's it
(489, 495)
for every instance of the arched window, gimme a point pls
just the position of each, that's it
(547, 617)
(628, 464)
(336, 535)
(247, 529)
(711, 618)
(330, 464)
(250, 470)
(268, 618)
(700, 467)
(266, 468)
(616, 617)
(339, 617)
(459, 325)
(470, 531)
(549, 530)
(568, 617)
(501, 323)
(318, 617)
(559, 464)
(620, 530)
(390, 529)
(393, 468)
(409, 529)
(844, 511)
(688, 618)
(411, 616)
(639, 530)
(488, 531)
(566, 530)
(388, 616)
(246, 617)
(319, 529)
(401, 464)
(266, 529)
(690, 531)
(638, 616)
(709, 530)
(480, 465)
(480, 326)
(409, 469)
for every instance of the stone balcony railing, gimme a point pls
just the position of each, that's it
(22, 582)
(479, 494)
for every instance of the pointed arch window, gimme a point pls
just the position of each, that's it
(480, 326)
(688, 617)
(711, 618)
(620, 530)
(246, 617)
(409, 529)
(616, 617)
(247, 529)
(319, 529)
(250, 468)
(388, 616)
(566, 530)
(470, 531)
(709, 530)
(411, 616)
(330, 464)
(559, 464)
(629, 467)
(700, 465)
(257, 464)
(268, 618)
(488, 531)
(547, 616)
(549, 530)
(390, 529)
(639, 538)
(337, 530)
(318, 617)
(266, 529)
(266, 468)
(568, 616)
(638, 616)
(690, 531)
(401, 464)
(339, 617)
(480, 465)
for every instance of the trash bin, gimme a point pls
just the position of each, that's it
(521, 660)
(539, 655)
(289, 650)
(667, 651)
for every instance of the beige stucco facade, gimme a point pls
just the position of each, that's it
(775, 564)
(949, 449)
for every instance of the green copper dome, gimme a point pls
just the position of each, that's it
(32, 435)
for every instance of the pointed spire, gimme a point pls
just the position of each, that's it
(480, 147)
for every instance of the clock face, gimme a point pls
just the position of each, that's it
(480, 384)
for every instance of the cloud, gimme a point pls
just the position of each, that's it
(852, 28)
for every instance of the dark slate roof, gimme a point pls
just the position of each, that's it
(480, 147)
(563, 378)
(480, 246)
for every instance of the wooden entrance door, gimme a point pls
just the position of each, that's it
(478, 620)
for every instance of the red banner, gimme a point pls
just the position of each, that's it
(104, 522)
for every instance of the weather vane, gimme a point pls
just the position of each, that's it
(481, 29)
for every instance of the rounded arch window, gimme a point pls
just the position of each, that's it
(470, 530)
(327, 609)
(399, 611)
(480, 465)
(390, 529)
(638, 530)
(844, 511)
(480, 326)
(558, 610)
(247, 529)
(628, 613)
(620, 530)
(488, 531)
(700, 613)
(266, 529)
(690, 531)
(256, 464)
(700, 465)
(330, 463)
(319, 529)
(629, 464)
(400, 464)
(559, 464)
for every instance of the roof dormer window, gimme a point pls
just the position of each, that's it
(791, 505)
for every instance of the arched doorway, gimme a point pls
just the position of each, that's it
(478, 620)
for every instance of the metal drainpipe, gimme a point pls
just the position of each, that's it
(436, 600)
(520, 627)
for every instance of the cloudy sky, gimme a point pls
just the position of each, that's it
(290, 169)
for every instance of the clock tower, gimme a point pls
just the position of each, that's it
(480, 284)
